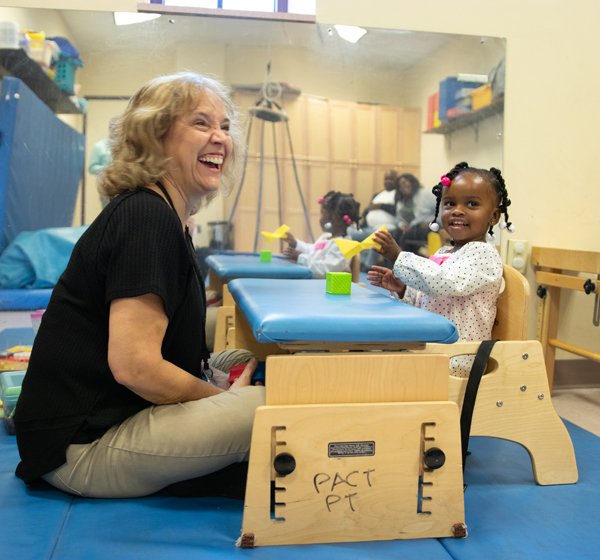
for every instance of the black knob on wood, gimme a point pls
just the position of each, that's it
(434, 458)
(284, 464)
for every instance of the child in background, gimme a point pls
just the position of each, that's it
(338, 211)
(460, 282)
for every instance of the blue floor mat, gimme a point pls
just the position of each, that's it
(508, 516)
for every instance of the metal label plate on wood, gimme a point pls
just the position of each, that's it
(351, 449)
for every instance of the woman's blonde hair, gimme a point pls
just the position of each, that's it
(138, 157)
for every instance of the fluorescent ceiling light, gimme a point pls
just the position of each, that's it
(127, 18)
(350, 32)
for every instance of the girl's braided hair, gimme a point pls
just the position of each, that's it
(494, 179)
(342, 205)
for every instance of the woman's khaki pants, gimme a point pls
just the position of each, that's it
(162, 445)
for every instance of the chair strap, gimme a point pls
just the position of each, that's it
(477, 371)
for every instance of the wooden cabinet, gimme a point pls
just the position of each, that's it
(337, 145)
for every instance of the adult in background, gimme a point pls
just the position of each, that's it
(117, 400)
(415, 210)
(101, 155)
(380, 212)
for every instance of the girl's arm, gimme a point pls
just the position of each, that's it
(328, 259)
(384, 278)
(136, 331)
(476, 267)
(304, 247)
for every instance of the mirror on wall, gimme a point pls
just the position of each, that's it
(355, 110)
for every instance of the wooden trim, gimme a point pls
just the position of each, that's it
(566, 259)
(574, 349)
(146, 8)
(560, 280)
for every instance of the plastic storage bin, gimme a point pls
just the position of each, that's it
(65, 68)
(448, 89)
(10, 389)
(482, 97)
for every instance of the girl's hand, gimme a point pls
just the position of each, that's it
(289, 238)
(291, 254)
(245, 379)
(384, 278)
(389, 248)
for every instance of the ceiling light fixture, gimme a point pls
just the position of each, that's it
(127, 18)
(350, 32)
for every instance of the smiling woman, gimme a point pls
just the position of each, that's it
(147, 140)
(135, 398)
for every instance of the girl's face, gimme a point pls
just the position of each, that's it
(469, 208)
(338, 226)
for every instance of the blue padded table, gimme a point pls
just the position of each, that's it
(508, 516)
(223, 268)
(226, 267)
(289, 311)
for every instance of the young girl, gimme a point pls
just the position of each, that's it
(338, 211)
(460, 282)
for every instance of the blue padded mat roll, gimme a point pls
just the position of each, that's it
(17, 300)
(41, 163)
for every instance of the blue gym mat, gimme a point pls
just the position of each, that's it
(508, 517)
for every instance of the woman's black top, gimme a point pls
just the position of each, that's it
(69, 396)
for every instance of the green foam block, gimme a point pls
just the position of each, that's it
(265, 256)
(338, 282)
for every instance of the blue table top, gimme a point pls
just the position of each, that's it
(249, 266)
(297, 310)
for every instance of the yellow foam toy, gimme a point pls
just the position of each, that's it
(279, 233)
(350, 248)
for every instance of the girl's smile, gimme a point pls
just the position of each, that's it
(469, 208)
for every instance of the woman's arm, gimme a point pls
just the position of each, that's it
(137, 327)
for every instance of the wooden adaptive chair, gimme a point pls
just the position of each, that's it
(513, 400)
(367, 446)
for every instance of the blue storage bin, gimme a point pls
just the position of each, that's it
(448, 89)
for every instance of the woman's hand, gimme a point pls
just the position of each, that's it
(389, 248)
(246, 378)
(384, 278)
(291, 254)
(289, 238)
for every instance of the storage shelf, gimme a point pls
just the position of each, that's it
(15, 63)
(468, 119)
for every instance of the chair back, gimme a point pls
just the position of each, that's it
(355, 268)
(512, 315)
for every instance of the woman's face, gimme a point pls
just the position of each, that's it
(199, 145)
(405, 186)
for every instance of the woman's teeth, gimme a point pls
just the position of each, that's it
(211, 159)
